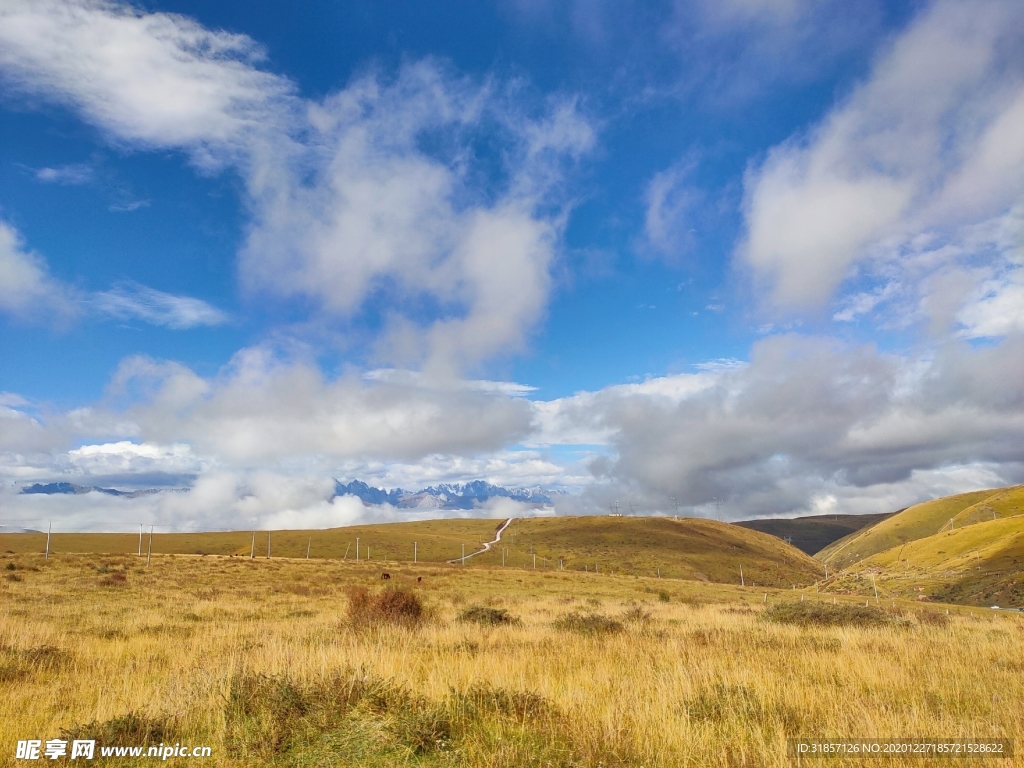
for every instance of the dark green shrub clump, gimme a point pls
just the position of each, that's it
(128, 730)
(588, 624)
(490, 617)
(388, 606)
(814, 614)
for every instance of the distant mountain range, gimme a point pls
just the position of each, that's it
(444, 496)
(71, 488)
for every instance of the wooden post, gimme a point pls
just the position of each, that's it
(49, 526)
(140, 539)
(534, 559)
(343, 557)
(502, 557)
(415, 552)
(742, 583)
(463, 554)
(766, 598)
(876, 589)
(357, 549)
(149, 555)
(252, 549)
(308, 546)
(268, 545)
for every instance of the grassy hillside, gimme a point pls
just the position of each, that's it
(980, 564)
(813, 533)
(686, 548)
(923, 520)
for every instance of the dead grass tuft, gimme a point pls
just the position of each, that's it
(391, 605)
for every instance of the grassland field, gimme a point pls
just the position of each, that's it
(685, 548)
(260, 660)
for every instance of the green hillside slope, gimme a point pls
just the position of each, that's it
(923, 520)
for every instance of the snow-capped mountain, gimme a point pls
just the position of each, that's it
(444, 496)
(71, 488)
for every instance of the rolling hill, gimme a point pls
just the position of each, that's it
(813, 533)
(924, 520)
(686, 548)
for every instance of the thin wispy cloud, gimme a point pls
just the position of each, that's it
(131, 301)
(71, 175)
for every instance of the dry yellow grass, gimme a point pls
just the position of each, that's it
(697, 680)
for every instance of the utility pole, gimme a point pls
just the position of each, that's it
(49, 526)
(140, 539)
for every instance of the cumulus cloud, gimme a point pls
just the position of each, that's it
(157, 79)
(133, 301)
(348, 203)
(263, 409)
(930, 145)
(809, 417)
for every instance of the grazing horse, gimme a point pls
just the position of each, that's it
(385, 576)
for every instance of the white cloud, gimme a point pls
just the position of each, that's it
(930, 144)
(347, 204)
(29, 293)
(670, 200)
(66, 174)
(158, 78)
(131, 300)
(260, 409)
(27, 290)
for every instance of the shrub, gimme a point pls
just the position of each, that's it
(492, 617)
(588, 624)
(664, 596)
(815, 614)
(116, 579)
(131, 729)
(388, 606)
(637, 615)
(721, 703)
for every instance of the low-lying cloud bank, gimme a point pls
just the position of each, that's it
(807, 425)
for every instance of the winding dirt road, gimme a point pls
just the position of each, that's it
(488, 545)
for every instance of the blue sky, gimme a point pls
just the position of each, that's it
(765, 251)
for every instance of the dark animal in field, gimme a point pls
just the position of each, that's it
(385, 576)
(419, 579)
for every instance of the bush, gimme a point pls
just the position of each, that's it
(588, 624)
(128, 730)
(664, 596)
(491, 617)
(388, 606)
(815, 614)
